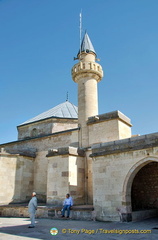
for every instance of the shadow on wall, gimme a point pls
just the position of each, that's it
(16, 177)
(24, 177)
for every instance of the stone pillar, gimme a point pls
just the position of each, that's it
(65, 175)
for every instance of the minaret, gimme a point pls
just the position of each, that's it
(87, 73)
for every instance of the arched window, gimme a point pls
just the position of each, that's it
(34, 132)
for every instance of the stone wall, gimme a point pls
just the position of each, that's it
(108, 127)
(66, 174)
(16, 178)
(40, 175)
(45, 127)
(115, 165)
(31, 130)
(38, 147)
(103, 132)
(60, 139)
(124, 130)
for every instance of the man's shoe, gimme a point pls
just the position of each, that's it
(67, 216)
(31, 226)
(62, 216)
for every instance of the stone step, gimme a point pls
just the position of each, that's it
(80, 212)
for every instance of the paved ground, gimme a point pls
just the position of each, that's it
(17, 228)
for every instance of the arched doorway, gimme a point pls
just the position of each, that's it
(140, 189)
(144, 191)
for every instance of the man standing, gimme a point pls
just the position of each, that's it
(32, 207)
(67, 204)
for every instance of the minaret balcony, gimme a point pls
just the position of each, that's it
(87, 69)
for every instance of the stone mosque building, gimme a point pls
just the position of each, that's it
(93, 157)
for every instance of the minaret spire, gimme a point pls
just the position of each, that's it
(86, 45)
(80, 28)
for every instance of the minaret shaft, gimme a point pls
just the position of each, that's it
(87, 106)
(87, 99)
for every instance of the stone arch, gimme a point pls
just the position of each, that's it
(126, 198)
(34, 132)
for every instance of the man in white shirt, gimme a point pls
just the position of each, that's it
(67, 204)
(32, 207)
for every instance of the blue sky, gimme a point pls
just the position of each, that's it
(39, 38)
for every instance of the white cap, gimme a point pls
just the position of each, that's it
(34, 193)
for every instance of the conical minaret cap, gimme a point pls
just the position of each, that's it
(86, 45)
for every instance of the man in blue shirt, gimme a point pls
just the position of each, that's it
(67, 204)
